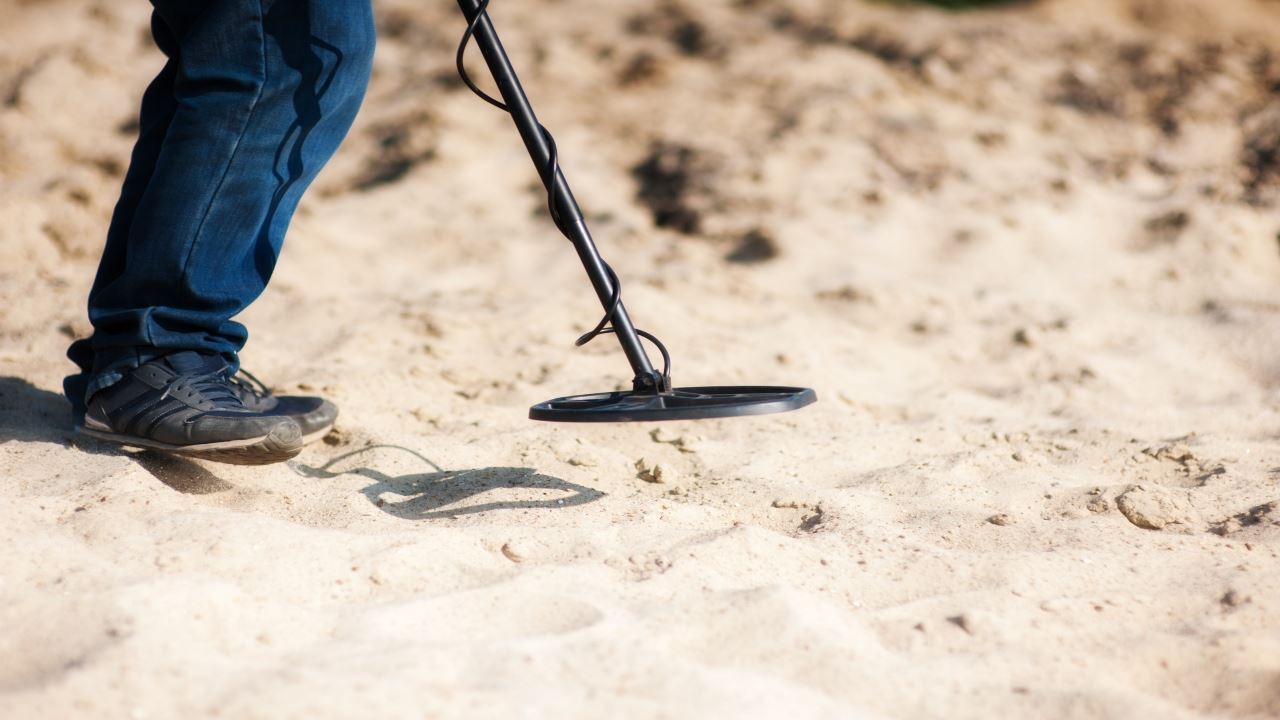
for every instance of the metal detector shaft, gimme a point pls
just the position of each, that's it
(646, 377)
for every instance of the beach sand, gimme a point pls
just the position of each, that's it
(1027, 257)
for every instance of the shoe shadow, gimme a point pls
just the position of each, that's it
(433, 495)
(29, 414)
(185, 476)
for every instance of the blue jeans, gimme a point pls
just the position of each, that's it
(255, 98)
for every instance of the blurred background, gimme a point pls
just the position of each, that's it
(1054, 196)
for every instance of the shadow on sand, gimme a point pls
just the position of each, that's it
(425, 496)
(31, 415)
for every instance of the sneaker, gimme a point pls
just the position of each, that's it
(185, 403)
(314, 415)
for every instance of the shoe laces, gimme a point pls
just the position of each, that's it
(211, 387)
(250, 384)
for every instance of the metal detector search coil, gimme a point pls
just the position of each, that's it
(680, 404)
(651, 396)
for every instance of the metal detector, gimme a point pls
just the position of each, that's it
(652, 396)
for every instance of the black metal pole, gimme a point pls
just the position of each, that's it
(646, 377)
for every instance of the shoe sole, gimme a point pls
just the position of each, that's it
(282, 443)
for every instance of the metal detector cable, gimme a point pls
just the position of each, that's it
(551, 173)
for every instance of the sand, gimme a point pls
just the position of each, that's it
(1027, 257)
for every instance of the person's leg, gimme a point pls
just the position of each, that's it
(158, 106)
(255, 100)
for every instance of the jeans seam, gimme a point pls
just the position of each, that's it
(244, 130)
(147, 335)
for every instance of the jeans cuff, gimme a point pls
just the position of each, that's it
(100, 382)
